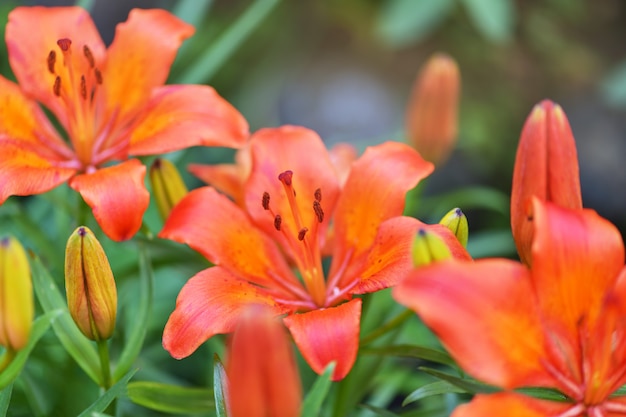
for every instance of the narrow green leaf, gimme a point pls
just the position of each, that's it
(410, 351)
(493, 18)
(219, 52)
(544, 393)
(477, 197)
(314, 399)
(5, 399)
(74, 342)
(469, 385)
(40, 326)
(112, 393)
(380, 411)
(435, 388)
(220, 387)
(192, 11)
(171, 398)
(133, 346)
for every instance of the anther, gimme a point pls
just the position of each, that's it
(98, 75)
(57, 86)
(64, 44)
(302, 233)
(52, 59)
(83, 87)
(266, 200)
(318, 195)
(89, 56)
(285, 177)
(277, 221)
(319, 213)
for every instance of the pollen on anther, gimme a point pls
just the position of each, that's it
(52, 59)
(57, 86)
(89, 56)
(285, 177)
(277, 222)
(98, 75)
(318, 195)
(266, 200)
(319, 213)
(83, 87)
(64, 44)
(302, 233)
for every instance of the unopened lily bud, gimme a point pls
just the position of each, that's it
(89, 285)
(167, 185)
(431, 117)
(429, 247)
(16, 295)
(546, 166)
(456, 221)
(261, 368)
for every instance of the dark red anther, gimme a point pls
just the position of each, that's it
(89, 56)
(52, 59)
(319, 213)
(64, 44)
(98, 75)
(57, 86)
(266, 200)
(83, 87)
(318, 195)
(285, 177)
(277, 222)
(302, 233)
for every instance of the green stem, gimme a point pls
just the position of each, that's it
(6, 358)
(103, 352)
(387, 327)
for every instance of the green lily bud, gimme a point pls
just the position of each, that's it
(89, 285)
(16, 295)
(428, 248)
(167, 186)
(456, 221)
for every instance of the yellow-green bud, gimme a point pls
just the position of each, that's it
(16, 295)
(428, 247)
(168, 187)
(89, 285)
(456, 221)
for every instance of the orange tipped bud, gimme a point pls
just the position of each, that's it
(16, 295)
(546, 166)
(431, 118)
(167, 186)
(261, 368)
(89, 285)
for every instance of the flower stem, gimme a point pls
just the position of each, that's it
(103, 351)
(387, 327)
(6, 359)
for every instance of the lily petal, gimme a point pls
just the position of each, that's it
(328, 335)
(570, 246)
(32, 32)
(227, 178)
(140, 57)
(210, 303)
(117, 197)
(374, 192)
(180, 116)
(514, 405)
(484, 312)
(226, 238)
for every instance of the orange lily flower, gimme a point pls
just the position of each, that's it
(546, 166)
(560, 324)
(291, 196)
(111, 104)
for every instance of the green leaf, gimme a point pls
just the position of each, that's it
(40, 326)
(435, 388)
(410, 351)
(314, 399)
(133, 346)
(380, 411)
(491, 243)
(171, 398)
(469, 385)
(192, 11)
(220, 387)
(103, 402)
(543, 393)
(74, 342)
(613, 87)
(476, 197)
(493, 18)
(5, 399)
(402, 22)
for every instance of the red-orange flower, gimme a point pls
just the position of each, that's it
(291, 197)
(560, 324)
(546, 166)
(111, 104)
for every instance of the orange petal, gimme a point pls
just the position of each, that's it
(214, 226)
(513, 405)
(140, 57)
(327, 335)
(342, 155)
(25, 169)
(576, 259)
(226, 178)
(484, 313)
(117, 197)
(302, 151)
(180, 116)
(262, 372)
(546, 166)
(374, 192)
(32, 32)
(210, 303)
